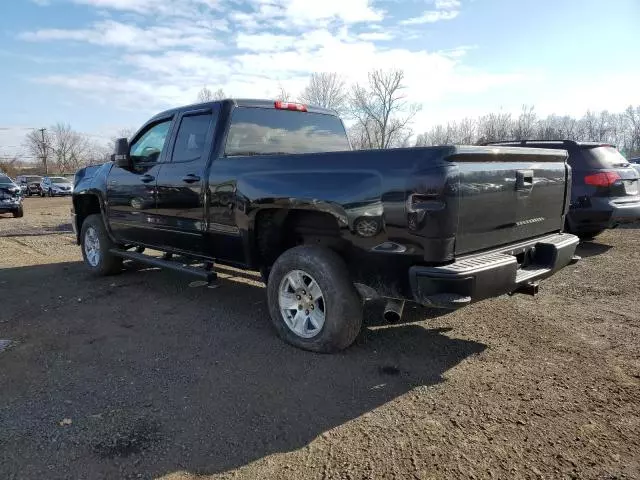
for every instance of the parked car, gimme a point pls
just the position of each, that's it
(55, 186)
(29, 184)
(273, 186)
(605, 187)
(10, 197)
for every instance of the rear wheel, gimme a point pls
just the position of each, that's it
(312, 301)
(96, 244)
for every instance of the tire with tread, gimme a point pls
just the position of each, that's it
(343, 305)
(108, 263)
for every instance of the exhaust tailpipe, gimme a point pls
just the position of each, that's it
(393, 311)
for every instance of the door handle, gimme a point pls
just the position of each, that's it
(147, 178)
(191, 178)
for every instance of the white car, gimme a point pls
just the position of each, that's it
(52, 186)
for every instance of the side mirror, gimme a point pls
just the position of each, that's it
(121, 155)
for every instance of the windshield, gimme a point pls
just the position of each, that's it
(5, 180)
(264, 131)
(604, 157)
(59, 180)
(34, 179)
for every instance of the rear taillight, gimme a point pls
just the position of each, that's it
(296, 107)
(604, 179)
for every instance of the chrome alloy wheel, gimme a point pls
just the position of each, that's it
(92, 246)
(302, 304)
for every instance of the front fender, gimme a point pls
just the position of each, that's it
(91, 181)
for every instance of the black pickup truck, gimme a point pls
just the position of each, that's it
(275, 187)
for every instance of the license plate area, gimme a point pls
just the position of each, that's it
(631, 187)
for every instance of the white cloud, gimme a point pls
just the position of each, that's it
(116, 34)
(375, 36)
(184, 8)
(351, 11)
(444, 10)
(140, 6)
(432, 16)
(307, 13)
(168, 57)
(447, 4)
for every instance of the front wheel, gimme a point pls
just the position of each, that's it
(19, 213)
(312, 301)
(96, 244)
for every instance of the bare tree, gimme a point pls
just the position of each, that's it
(381, 111)
(69, 147)
(524, 126)
(620, 129)
(283, 95)
(632, 139)
(206, 95)
(10, 165)
(327, 90)
(494, 127)
(39, 144)
(468, 131)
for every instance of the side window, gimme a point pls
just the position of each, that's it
(150, 145)
(192, 137)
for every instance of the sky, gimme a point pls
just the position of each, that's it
(105, 65)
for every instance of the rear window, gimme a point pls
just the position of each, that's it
(263, 131)
(603, 157)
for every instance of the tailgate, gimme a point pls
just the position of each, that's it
(508, 194)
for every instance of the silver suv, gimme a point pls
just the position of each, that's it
(52, 186)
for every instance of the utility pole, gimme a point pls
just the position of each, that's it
(44, 152)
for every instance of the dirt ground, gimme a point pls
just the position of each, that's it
(141, 376)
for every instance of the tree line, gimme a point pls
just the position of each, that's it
(621, 129)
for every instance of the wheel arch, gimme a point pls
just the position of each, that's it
(275, 230)
(88, 203)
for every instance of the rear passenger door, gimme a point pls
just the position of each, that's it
(180, 211)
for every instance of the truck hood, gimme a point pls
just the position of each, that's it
(87, 173)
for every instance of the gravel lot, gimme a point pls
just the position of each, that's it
(140, 376)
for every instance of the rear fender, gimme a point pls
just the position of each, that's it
(346, 197)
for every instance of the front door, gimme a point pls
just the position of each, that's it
(180, 188)
(131, 192)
